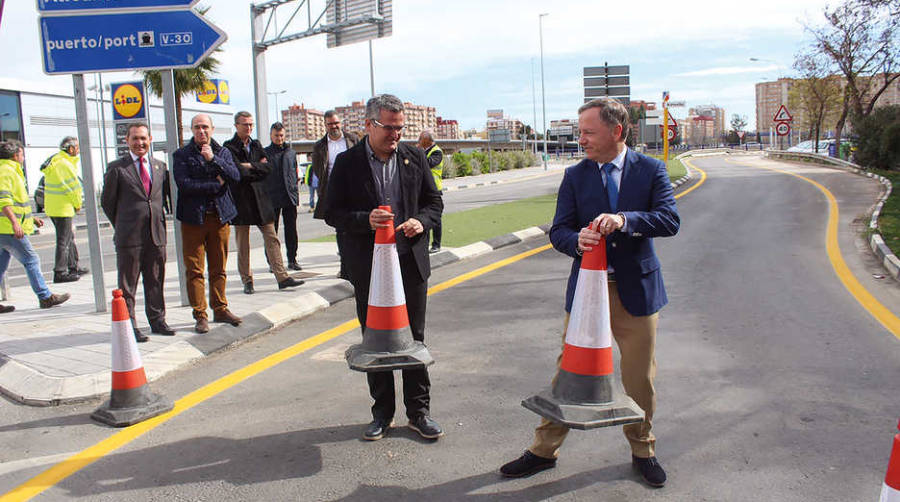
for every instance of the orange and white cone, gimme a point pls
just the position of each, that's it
(130, 400)
(890, 490)
(583, 394)
(387, 339)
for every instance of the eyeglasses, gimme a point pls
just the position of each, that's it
(388, 128)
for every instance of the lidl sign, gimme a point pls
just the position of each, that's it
(214, 92)
(128, 101)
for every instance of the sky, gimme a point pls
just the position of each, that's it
(464, 57)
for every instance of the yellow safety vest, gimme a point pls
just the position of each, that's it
(62, 190)
(438, 170)
(13, 194)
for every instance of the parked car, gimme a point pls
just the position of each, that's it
(825, 146)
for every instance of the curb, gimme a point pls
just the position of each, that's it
(27, 386)
(889, 260)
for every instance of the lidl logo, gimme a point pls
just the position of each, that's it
(209, 94)
(224, 96)
(128, 100)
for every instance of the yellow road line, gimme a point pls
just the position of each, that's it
(82, 459)
(695, 185)
(833, 249)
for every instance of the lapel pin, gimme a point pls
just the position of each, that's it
(406, 161)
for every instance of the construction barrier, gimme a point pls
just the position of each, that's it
(890, 490)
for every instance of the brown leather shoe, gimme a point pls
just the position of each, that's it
(202, 326)
(227, 317)
(52, 300)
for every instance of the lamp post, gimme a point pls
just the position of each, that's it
(273, 93)
(543, 93)
(533, 110)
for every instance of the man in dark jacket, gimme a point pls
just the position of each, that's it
(253, 205)
(281, 185)
(204, 208)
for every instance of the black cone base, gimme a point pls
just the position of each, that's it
(622, 410)
(151, 406)
(415, 356)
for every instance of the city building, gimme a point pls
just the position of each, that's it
(497, 120)
(302, 123)
(705, 125)
(446, 129)
(567, 128)
(418, 118)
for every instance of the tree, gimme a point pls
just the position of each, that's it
(816, 95)
(861, 38)
(187, 81)
(738, 123)
(879, 138)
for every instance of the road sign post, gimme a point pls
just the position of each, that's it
(168, 85)
(665, 102)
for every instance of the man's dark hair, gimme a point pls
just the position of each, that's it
(135, 125)
(277, 126)
(9, 148)
(330, 113)
(67, 142)
(240, 114)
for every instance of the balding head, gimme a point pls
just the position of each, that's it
(202, 128)
(425, 139)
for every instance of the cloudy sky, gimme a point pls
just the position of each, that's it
(464, 57)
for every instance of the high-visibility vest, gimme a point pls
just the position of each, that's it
(62, 190)
(438, 170)
(13, 194)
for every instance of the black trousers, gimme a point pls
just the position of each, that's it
(416, 384)
(290, 230)
(436, 235)
(149, 263)
(66, 253)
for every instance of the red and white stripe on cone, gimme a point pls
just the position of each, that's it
(387, 303)
(127, 368)
(890, 490)
(588, 346)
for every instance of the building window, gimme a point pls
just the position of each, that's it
(10, 117)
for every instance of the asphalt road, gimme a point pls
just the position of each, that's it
(773, 382)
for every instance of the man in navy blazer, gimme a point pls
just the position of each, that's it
(629, 197)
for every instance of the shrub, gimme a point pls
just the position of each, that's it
(878, 144)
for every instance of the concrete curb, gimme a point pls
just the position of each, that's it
(889, 261)
(27, 386)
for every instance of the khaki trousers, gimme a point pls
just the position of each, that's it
(636, 339)
(211, 239)
(273, 251)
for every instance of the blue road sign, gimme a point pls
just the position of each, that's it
(115, 42)
(71, 6)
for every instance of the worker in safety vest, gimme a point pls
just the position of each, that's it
(435, 158)
(62, 199)
(16, 223)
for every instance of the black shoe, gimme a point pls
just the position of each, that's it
(294, 266)
(434, 249)
(248, 288)
(53, 299)
(78, 271)
(162, 329)
(526, 465)
(377, 428)
(290, 282)
(5, 309)
(59, 277)
(426, 427)
(650, 470)
(140, 337)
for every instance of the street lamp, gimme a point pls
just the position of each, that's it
(543, 93)
(533, 110)
(277, 119)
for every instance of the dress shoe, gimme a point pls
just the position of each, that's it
(162, 329)
(434, 249)
(5, 309)
(202, 326)
(294, 266)
(248, 288)
(377, 428)
(59, 277)
(227, 317)
(79, 271)
(526, 465)
(54, 299)
(650, 470)
(290, 282)
(140, 337)
(426, 427)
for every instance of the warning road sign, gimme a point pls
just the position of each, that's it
(782, 115)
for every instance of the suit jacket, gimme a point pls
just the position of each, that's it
(646, 199)
(197, 183)
(250, 195)
(320, 169)
(352, 196)
(131, 211)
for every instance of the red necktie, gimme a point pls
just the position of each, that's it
(145, 176)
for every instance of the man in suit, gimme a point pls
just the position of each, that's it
(629, 197)
(135, 190)
(281, 186)
(325, 151)
(379, 171)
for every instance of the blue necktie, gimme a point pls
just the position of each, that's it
(612, 188)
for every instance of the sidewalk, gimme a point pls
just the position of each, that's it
(62, 354)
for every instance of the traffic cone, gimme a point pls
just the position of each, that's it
(890, 490)
(387, 339)
(583, 395)
(130, 400)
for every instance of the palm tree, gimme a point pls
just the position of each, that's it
(187, 81)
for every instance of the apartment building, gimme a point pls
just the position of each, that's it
(302, 123)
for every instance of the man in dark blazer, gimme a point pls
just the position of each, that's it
(281, 186)
(379, 171)
(629, 197)
(135, 192)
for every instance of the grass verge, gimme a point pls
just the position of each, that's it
(889, 220)
(675, 168)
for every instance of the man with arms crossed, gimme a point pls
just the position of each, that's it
(629, 197)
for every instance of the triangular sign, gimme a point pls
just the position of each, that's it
(673, 124)
(783, 115)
